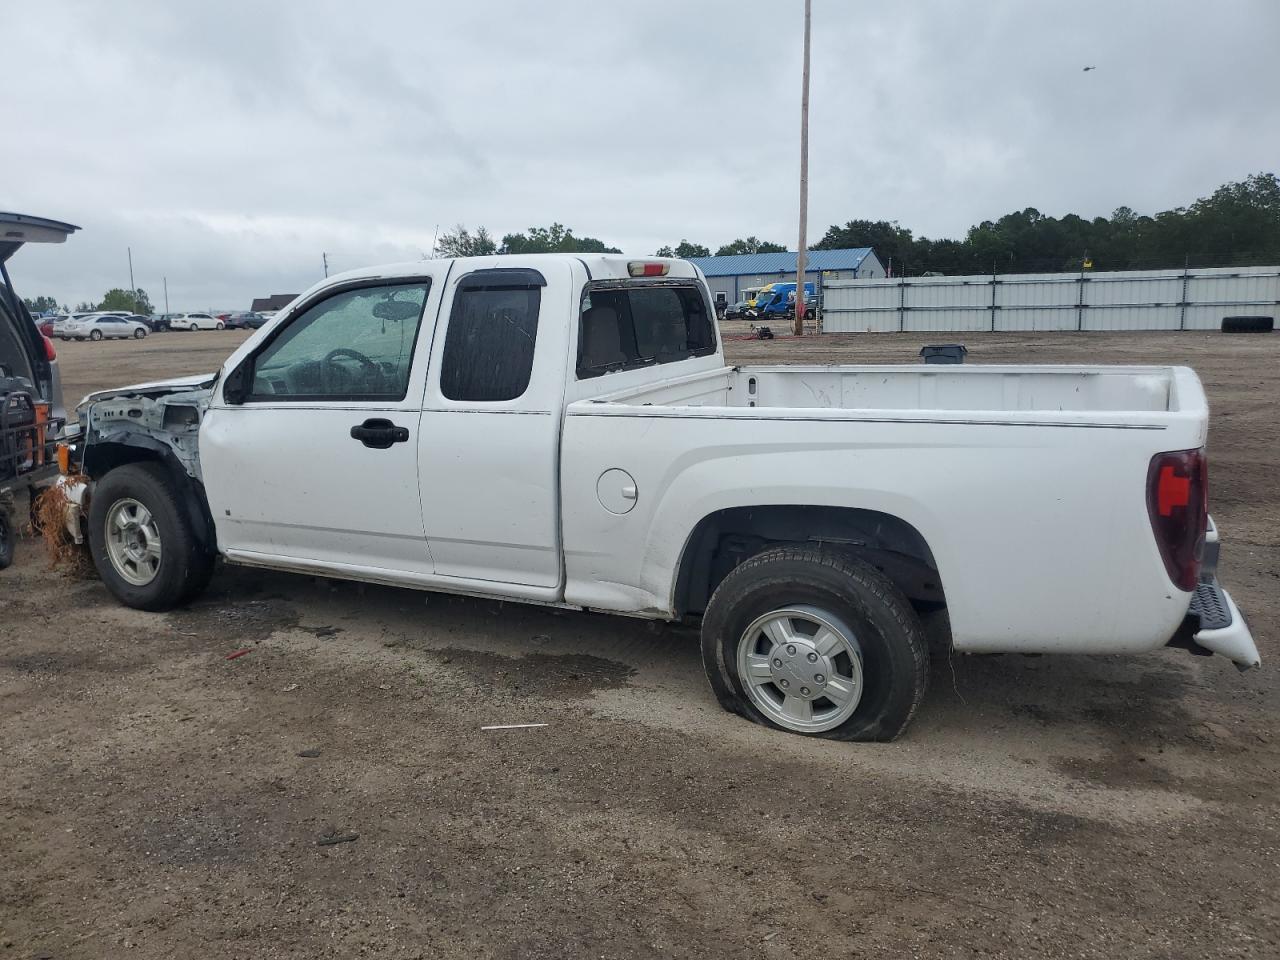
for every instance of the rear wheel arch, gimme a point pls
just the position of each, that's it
(724, 539)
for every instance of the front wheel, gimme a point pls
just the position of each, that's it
(219, 326)
(144, 543)
(813, 640)
(139, 334)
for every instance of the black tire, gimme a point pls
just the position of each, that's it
(95, 334)
(139, 334)
(185, 563)
(6, 540)
(895, 657)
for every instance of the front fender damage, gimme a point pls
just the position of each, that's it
(165, 421)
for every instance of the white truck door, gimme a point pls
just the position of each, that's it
(488, 445)
(316, 465)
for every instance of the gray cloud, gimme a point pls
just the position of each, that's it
(230, 145)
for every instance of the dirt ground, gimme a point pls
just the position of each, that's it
(158, 799)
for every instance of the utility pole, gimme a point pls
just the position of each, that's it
(804, 178)
(325, 257)
(133, 291)
(166, 294)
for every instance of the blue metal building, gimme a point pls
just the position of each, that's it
(736, 276)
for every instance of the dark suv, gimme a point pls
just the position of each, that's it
(246, 319)
(32, 414)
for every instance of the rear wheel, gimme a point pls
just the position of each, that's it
(95, 334)
(814, 640)
(194, 327)
(144, 543)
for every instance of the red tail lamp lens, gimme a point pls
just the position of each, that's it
(1178, 504)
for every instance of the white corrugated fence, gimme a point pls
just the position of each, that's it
(1129, 300)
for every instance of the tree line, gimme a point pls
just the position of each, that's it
(461, 241)
(131, 301)
(557, 238)
(1237, 225)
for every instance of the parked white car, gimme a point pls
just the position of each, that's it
(195, 321)
(62, 321)
(99, 326)
(563, 430)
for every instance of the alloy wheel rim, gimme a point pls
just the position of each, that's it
(802, 668)
(133, 542)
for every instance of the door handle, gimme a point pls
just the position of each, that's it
(379, 434)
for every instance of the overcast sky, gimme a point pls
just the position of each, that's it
(231, 144)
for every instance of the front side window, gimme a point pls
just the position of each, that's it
(638, 324)
(354, 345)
(493, 327)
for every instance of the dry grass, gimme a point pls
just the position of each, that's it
(48, 517)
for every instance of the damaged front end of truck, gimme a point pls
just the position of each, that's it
(157, 422)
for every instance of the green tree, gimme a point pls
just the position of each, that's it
(556, 238)
(1238, 224)
(463, 243)
(41, 304)
(749, 245)
(684, 250)
(890, 241)
(134, 301)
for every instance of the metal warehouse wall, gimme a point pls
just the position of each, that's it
(1132, 300)
(735, 286)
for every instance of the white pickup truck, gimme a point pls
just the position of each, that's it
(563, 430)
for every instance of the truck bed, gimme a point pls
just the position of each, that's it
(947, 390)
(1027, 483)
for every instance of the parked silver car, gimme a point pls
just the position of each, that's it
(100, 326)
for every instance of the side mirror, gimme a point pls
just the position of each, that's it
(236, 388)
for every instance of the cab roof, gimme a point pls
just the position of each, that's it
(601, 266)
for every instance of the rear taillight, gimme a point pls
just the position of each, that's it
(1178, 504)
(50, 354)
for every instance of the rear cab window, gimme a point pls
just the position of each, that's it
(629, 324)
